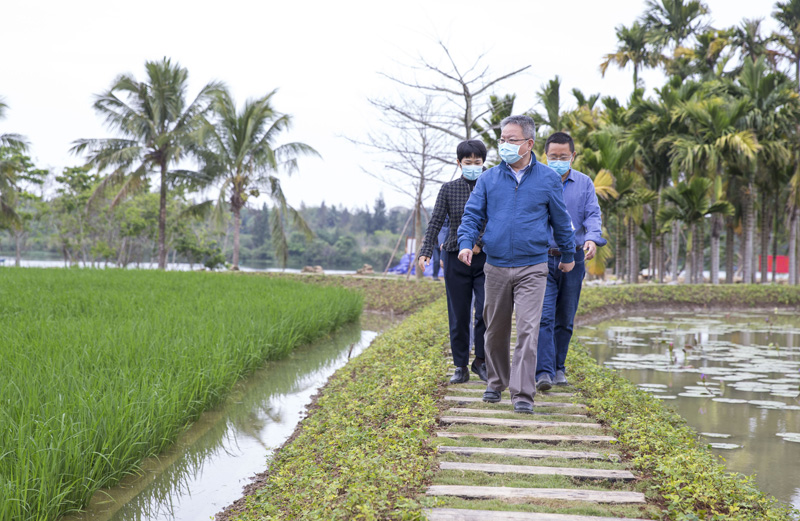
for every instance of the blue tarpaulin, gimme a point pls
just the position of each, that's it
(402, 266)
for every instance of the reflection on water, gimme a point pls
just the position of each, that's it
(734, 377)
(206, 470)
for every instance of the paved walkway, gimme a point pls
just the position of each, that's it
(488, 462)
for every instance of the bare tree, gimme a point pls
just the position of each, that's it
(461, 94)
(414, 156)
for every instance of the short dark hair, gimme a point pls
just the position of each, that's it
(559, 138)
(471, 148)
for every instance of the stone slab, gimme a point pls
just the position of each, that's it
(566, 494)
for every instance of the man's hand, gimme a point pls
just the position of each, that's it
(590, 248)
(423, 261)
(566, 267)
(465, 256)
(476, 249)
(441, 263)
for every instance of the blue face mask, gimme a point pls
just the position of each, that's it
(562, 167)
(509, 153)
(471, 172)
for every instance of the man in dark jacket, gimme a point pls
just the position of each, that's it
(518, 201)
(460, 281)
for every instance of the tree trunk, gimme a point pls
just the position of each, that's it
(418, 233)
(636, 263)
(618, 252)
(749, 230)
(237, 224)
(766, 221)
(633, 265)
(122, 254)
(793, 247)
(797, 250)
(661, 260)
(716, 233)
(162, 220)
(676, 248)
(776, 221)
(17, 247)
(699, 261)
(729, 246)
(688, 278)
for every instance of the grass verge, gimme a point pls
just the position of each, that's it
(610, 299)
(102, 368)
(395, 295)
(690, 480)
(366, 446)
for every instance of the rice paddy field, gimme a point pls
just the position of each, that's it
(102, 368)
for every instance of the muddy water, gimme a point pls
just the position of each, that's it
(205, 471)
(734, 377)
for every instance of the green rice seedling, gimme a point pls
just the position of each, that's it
(101, 369)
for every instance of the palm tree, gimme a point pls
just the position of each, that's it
(772, 109)
(747, 37)
(788, 16)
(11, 148)
(238, 149)
(489, 129)
(673, 21)
(606, 157)
(691, 204)
(550, 98)
(712, 139)
(633, 47)
(14, 141)
(156, 124)
(650, 122)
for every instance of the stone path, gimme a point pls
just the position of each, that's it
(485, 471)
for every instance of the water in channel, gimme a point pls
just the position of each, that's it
(734, 377)
(207, 468)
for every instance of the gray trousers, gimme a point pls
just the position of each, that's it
(506, 288)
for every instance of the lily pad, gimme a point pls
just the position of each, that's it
(715, 435)
(726, 446)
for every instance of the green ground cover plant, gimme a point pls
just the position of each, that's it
(102, 368)
(692, 483)
(611, 298)
(365, 448)
(389, 294)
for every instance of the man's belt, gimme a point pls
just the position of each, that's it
(555, 252)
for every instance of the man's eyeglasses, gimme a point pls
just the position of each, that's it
(503, 141)
(559, 158)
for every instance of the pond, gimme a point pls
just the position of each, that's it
(734, 377)
(207, 468)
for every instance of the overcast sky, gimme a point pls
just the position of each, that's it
(323, 57)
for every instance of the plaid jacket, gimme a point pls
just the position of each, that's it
(450, 203)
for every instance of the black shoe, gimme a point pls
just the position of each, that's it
(491, 396)
(523, 407)
(480, 370)
(460, 376)
(561, 378)
(544, 383)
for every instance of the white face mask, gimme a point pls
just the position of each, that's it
(509, 153)
(471, 172)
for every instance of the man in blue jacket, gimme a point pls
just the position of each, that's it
(518, 200)
(564, 289)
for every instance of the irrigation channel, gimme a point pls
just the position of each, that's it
(207, 468)
(734, 377)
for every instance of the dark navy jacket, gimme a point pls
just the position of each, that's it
(518, 217)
